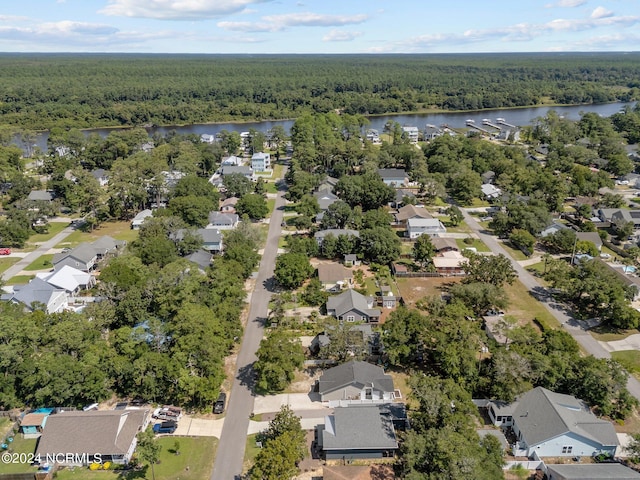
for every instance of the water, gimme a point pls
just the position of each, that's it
(520, 117)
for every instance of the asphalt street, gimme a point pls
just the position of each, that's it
(230, 452)
(557, 309)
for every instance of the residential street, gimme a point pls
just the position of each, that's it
(230, 452)
(558, 310)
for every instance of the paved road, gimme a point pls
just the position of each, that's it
(41, 250)
(230, 453)
(558, 310)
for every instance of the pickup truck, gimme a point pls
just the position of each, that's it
(167, 413)
(165, 427)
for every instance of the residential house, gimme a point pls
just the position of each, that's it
(387, 299)
(211, 240)
(83, 257)
(325, 197)
(329, 183)
(357, 432)
(232, 161)
(592, 237)
(261, 162)
(628, 280)
(449, 263)
(488, 176)
(394, 177)
(336, 232)
(106, 245)
(412, 133)
(591, 471)
(445, 244)
(614, 215)
(147, 147)
(351, 260)
(38, 293)
(243, 170)
(373, 136)
(552, 229)
(431, 132)
(352, 307)
(76, 437)
(497, 328)
(139, 219)
(201, 257)
(101, 175)
(228, 205)
(222, 221)
(549, 424)
(32, 424)
(69, 279)
(410, 211)
(424, 226)
(356, 380)
(40, 196)
(490, 191)
(334, 276)
(362, 334)
(358, 472)
(401, 196)
(207, 138)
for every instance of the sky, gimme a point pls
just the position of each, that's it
(318, 26)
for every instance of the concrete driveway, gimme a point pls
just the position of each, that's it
(632, 342)
(199, 427)
(297, 401)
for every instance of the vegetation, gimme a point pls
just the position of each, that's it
(279, 356)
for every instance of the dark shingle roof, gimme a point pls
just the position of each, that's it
(358, 428)
(594, 471)
(355, 373)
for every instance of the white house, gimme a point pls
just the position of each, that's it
(261, 162)
(422, 226)
(38, 293)
(207, 138)
(139, 219)
(412, 133)
(549, 424)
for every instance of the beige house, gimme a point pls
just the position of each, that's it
(334, 276)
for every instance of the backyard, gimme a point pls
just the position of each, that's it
(23, 446)
(120, 230)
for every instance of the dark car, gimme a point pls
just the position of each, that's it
(165, 427)
(219, 406)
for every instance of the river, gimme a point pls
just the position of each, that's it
(518, 116)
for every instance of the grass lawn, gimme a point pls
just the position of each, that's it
(271, 187)
(514, 252)
(523, 306)
(401, 382)
(271, 204)
(250, 452)
(476, 203)
(477, 244)
(20, 279)
(605, 335)
(54, 229)
(197, 453)
(5, 263)
(118, 230)
(19, 445)
(461, 228)
(41, 263)
(630, 360)
(536, 268)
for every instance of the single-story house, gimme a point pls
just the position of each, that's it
(549, 424)
(39, 293)
(211, 240)
(449, 263)
(395, 177)
(139, 219)
(83, 257)
(401, 196)
(352, 306)
(334, 276)
(325, 198)
(614, 215)
(223, 221)
(228, 205)
(107, 245)
(629, 280)
(243, 170)
(591, 471)
(358, 472)
(32, 424)
(101, 175)
(488, 176)
(351, 260)
(69, 279)
(97, 435)
(232, 161)
(202, 258)
(592, 237)
(336, 232)
(410, 211)
(424, 226)
(261, 162)
(552, 229)
(445, 244)
(357, 432)
(490, 191)
(40, 196)
(355, 380)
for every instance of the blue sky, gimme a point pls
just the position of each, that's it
(318, 26)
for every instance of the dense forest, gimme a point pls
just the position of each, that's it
(70, 90)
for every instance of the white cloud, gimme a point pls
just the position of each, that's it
(601, 12)
(12, 18)
(340, 36)
(176, 9)
(566, 4)
(276, 23)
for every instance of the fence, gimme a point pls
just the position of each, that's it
(527, 464)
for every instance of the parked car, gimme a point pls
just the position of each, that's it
(220, 404)
(165, 427)
(5, 251)
(167, 413)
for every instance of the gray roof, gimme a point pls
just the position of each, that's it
(241, 169)
(219, 218)
(592, 237)
(202, 258)
(593, 471)
(37, 290)
(84, 253)
(440, 243)
(350, 300)
(333, 272)
(392, 173)
(336, 232)
(40, 196)
(108, 432)
(483, 432)
(542, 414)
(99, 173)
(210, 235)
(358, 428)
(411, 211)
(325, 198)
(401, 193)
(106, 244)
(141, 216)
(356, 373)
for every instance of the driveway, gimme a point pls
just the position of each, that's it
(199, 427)
(632, 342)
(297, 402)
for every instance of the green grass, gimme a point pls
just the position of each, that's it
(6, 263)
(20, 279)
(514, 252)
(477, 244)
(19, 445)
(250, 452)
(630, 360)
(277, 171)
(197, 453)
(536, 268)
(271, 204)
(118, 230)
(603, 334)
(476, 202)
(42, 263)
(461, 228)
(54, 229)
(523, 305)
(271, 187)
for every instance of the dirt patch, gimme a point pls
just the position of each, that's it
(413, 290)
(304, 380)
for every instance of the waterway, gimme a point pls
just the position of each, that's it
(518, 116)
